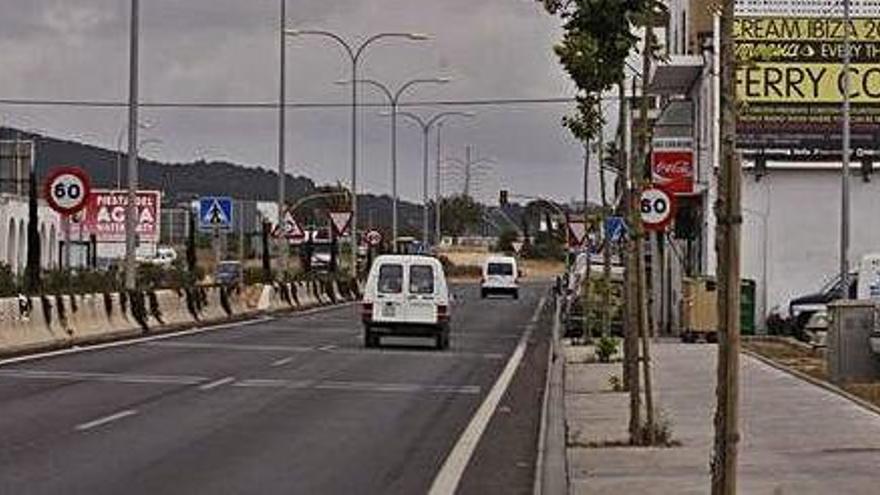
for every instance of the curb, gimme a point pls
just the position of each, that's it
(551, 467)
(815, 381)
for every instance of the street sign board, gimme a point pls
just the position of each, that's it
(67, 190)
(105, 215)
(291, 230)
(615, 229)
(341, 221)
(657, 208)
(373, 238)
(215, 213)
(577, 233)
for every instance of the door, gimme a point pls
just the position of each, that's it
(391, 301)
(422, 294)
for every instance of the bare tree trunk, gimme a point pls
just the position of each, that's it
(729, 206)
(606, 245)
(624, 209)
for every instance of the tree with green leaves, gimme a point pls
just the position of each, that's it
(32, 269)
(460, 214)
(599, 36)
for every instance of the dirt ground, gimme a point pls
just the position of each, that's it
(532, 269)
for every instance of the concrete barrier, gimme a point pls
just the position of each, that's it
(23, 330)
(217, 305)
(173, 308)
(306, 297)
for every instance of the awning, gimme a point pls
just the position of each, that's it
(676, 76)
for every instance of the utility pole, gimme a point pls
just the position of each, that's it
(437, 180)
(467, 171)
(729, 208)
(282, 149)
(131, 210)
(844, 179)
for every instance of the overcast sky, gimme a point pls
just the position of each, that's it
(227, 51)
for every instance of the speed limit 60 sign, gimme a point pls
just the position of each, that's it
(657, 208)
(67, 189)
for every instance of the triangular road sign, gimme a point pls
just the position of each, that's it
(517, 246)
(341, 221)
(577, 230)
(291, 230)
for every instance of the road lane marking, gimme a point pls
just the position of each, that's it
(231, 347)
(282, 362)
(105, 420)
(217, 383)
(326, 348)
(449, 476)
(368, 387)
(172, 335)
(101, 377)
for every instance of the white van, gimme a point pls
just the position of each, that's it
(500, 276)
(406, 295)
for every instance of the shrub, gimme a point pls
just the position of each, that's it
(8, 282)
(606, 348)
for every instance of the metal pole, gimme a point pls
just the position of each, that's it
(844, 178)
(282, 114)
(354, 191)
(437, 198)
(425, 215)
(394, 225)
(131, 214)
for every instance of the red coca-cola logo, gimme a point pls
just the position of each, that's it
(674, 170)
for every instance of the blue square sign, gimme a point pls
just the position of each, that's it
(215, 212)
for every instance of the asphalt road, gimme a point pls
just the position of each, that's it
(286, 405)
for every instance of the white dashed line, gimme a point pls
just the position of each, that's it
(217, 383)
(100, 377)
(106, 419)
(282, 362)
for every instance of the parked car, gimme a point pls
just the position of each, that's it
(228, 273)
(406, 295)
(801, 309)
(500, 276)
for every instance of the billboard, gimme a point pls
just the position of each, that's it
(790, 82)
(105, 215)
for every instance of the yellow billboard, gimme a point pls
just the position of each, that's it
(807, 83)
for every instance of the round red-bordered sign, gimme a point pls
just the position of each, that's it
(373, 237)
(67, 189)
(657, 208)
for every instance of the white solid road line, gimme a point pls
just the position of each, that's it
(447, 480)
(217, 383)
(131, 342)
(106, 419)
(85, 376)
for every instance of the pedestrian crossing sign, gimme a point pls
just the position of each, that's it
(215, 213)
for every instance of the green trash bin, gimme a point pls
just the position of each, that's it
(747, 307)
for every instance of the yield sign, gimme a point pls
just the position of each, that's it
(290, 229)
(577, 231)
(517, 246)
(341, 221)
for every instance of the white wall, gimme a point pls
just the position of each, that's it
(13, 227)
(802, 208)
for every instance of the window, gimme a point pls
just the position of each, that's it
(390, 279)
(500, 269)
(421, 279)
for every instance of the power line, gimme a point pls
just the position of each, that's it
(274, 105)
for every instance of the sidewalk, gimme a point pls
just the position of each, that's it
(797, 438)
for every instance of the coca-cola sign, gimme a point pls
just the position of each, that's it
(673, 170)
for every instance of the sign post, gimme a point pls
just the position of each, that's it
(67, 190)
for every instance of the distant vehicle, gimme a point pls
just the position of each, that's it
(406, 295)
(229, 273)
(801, 309)
(165, 256)
(500, 276)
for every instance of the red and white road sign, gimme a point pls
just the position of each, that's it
(341, 221)
(577, 233)
(373, 238)
(67, 190)
(657, 208)
(291, 230)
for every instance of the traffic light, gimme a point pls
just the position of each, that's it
(502, 197)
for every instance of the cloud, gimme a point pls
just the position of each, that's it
(227, 50)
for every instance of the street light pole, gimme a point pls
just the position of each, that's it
(844, 180)
(282, 124)
(131, 214)
(426, 126)
(394, 100)
(355, 55)
(437, 232)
